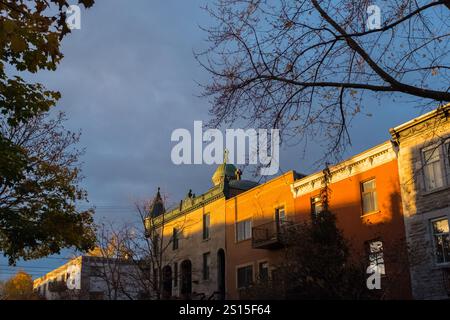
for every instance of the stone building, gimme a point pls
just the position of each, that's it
(424, 169)
(191, 238)
(89, 278)
(391, 202)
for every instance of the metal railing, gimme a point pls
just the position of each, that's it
(269, 234)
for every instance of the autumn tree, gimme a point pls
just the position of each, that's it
(137, 253)
(114, 260)
(19, 287)
(308, 67)
(38, 213)
(38, 175)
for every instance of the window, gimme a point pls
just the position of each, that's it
(175, 274)
(206, 264)
(206, 224)
(432, 169)
(280, 215)
(369, 196)
(441, 237)
(244, 277)
(96, 271)
(447, 157)
(175, 239)
(156, 245)
(376, 255)
(316, 206)
(263, 271)
(244, 230)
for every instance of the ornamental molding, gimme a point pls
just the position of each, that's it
(427, 122)
(360, 163)
(189, 205)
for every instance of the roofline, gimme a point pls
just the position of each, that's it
(443, 109)
(354, 159)
(57, 270)
(290, 172)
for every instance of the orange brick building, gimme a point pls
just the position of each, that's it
(365, 197)
(255, 207)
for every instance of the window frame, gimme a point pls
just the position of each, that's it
(442, 165)
(278, 219)
(313, 203)
(244, 266)
(434, 235)
(362, 193)
(156, 244)
(206, 234)
(446, 146)
(175, 239)
(250, 235)
(260, 264)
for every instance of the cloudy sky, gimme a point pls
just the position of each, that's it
(128, 80)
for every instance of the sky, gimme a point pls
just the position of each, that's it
(128, 79)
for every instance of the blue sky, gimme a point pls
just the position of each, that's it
(128, 80)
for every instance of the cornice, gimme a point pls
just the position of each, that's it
(362, 162)
(420, 124)
(190, 204)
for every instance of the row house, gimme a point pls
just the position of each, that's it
(189, 247)
(424, 168)
(90, 278)
(365, 198)
(390, 201)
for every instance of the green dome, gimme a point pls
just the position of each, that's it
(223, 170)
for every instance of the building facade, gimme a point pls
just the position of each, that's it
(252, 221)
(391, 202)
(424, 169)
(365, 197)
(191, 239)
(89, 278)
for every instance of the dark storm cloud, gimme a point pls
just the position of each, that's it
(128, 80)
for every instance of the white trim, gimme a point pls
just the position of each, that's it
(360, 163)
(433, 236)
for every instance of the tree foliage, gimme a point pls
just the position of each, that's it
(307, 67)
(322, 267)
(316, 265)
(38, 168)
(38, 214)
(19, 287)
(30, 37)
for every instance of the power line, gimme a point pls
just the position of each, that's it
(24, 267)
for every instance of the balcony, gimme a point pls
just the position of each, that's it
(268, 235)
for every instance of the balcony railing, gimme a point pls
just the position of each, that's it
(268, 235)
